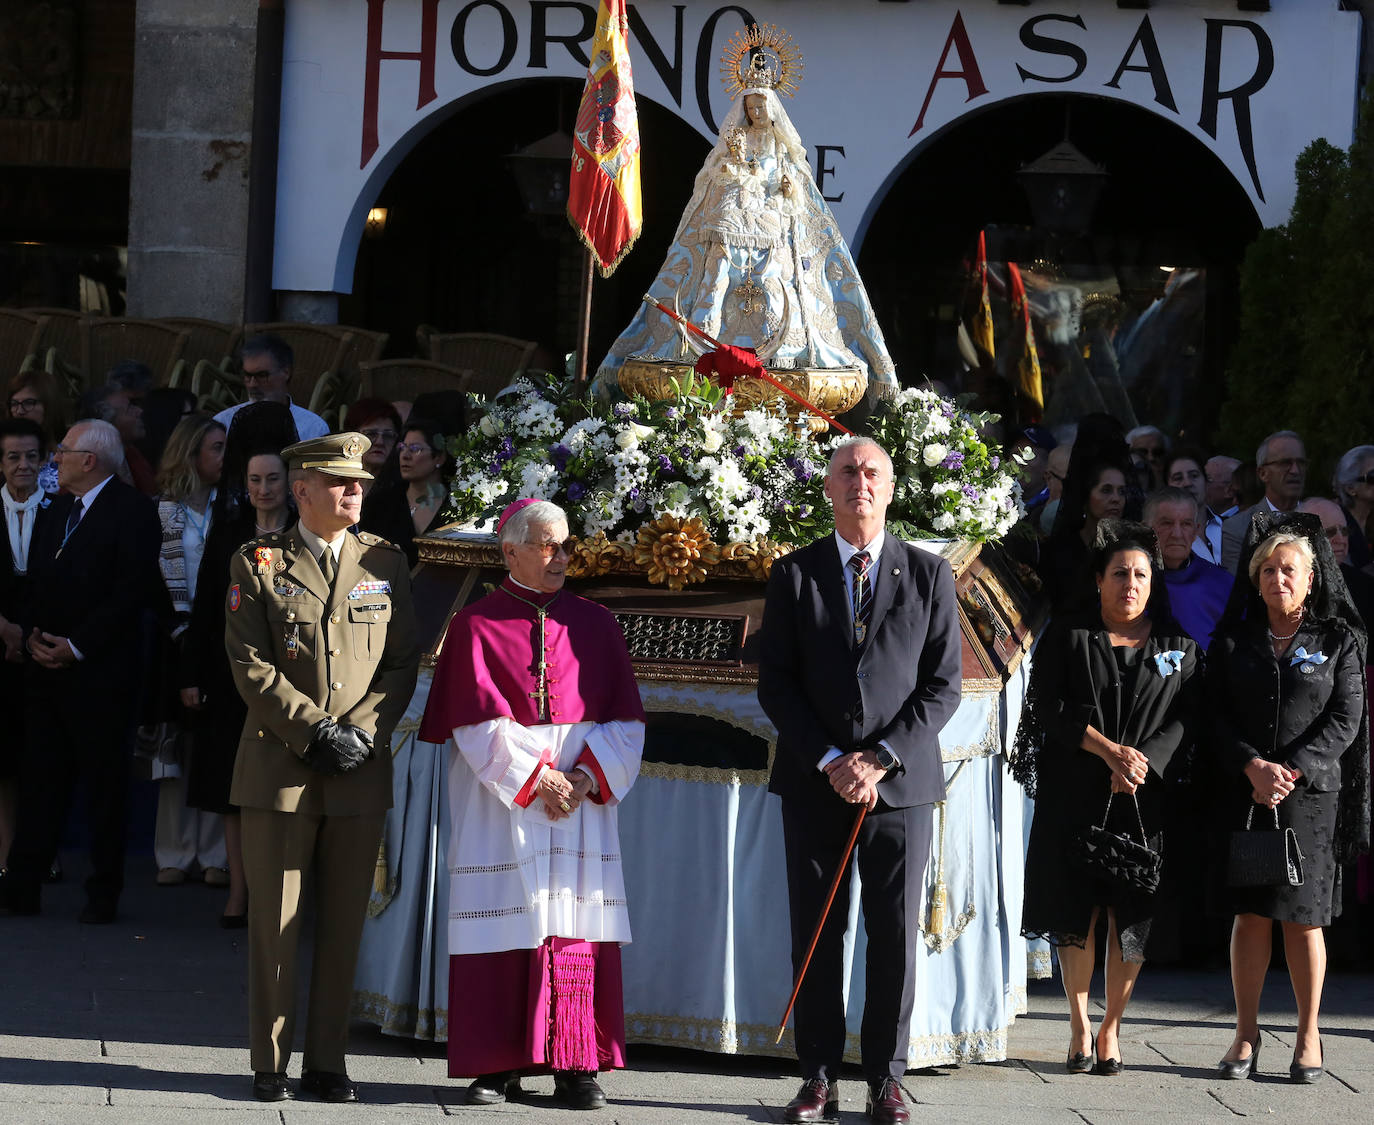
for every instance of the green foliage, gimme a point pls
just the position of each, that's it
(1305, 354)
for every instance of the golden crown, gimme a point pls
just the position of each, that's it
(762, 56)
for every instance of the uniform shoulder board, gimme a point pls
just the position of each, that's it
(367, 539)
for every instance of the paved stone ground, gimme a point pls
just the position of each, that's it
(143, 1021)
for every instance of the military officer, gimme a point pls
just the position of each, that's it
(322, 642)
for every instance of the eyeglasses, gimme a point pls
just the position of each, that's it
(1363, 478)
(247, 375)
(415, 448)
(1341, 532)
(376, 437)
(551, 550)
(24, 404)
(1286, 463)
(62, 451)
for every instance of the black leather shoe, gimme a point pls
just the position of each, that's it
(328, 1086)
(1108, 1068)
(1076, 1062)
(1306, 1075)
(1240, 1068)
(577, 1089)
(886, 1106)
(97, 914)
(269, 1087)
(489, 1089)
(817, 1100)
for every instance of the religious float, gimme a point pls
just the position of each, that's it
(679, 498)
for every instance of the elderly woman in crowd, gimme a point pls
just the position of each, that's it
(1111, 700)
(1353, 483)
(190, 470)
(1287, 687)
(38, 397)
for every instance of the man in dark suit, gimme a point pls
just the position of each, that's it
(859, 669)
(93, 577)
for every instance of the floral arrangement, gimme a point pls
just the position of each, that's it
(683, 485)
(948, 481)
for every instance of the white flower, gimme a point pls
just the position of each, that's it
(933, 454)
(943, 522)
(711, 439)
(488, 426)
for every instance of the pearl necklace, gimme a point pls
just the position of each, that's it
(1273, 636)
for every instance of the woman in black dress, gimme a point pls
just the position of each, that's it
(1111, 699)
(1291, 734)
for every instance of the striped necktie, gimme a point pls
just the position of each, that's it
(863, 595)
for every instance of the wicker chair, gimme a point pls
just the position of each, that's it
(61, 335)
(398, 380)
(21, 336)
(320, 350)
(211, 340)
(494, 360)
(107, 340)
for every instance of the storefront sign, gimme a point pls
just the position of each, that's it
(364, 80)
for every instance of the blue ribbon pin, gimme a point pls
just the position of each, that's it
(1169, 662)
(1308, 660)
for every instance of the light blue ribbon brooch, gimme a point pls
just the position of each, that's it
(1307, 661)
(1169, 662)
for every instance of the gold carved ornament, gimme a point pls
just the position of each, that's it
(596, 556)
(675, 551)
(758, 555)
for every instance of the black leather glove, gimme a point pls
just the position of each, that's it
(337, 747)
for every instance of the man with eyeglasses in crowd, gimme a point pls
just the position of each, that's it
(1360, 584)
(266, 362)
(93, 574)
(1281, 464)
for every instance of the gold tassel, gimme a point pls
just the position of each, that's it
(379, 874)
(939, 909)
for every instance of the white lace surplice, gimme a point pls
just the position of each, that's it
(515, 876)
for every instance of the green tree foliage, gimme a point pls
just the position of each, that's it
(1304, 359)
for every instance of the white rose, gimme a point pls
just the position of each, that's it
(626, 439)
(934, 454)
(711, 440)
(487, 426)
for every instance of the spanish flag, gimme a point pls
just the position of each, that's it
(1028, 366)
(982, 319)
(603, 193)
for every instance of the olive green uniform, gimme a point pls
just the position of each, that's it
(301, 653)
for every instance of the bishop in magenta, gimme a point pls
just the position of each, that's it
(534, 689)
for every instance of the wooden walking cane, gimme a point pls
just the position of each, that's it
(763, 374)
(820, 922)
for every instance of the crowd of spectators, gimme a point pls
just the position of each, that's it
(207, 484)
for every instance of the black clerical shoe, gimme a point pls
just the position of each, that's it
(269, 1087)
(817, 1100)
(577, 1089)
(328, 1086)
(489, 1089)
(886, 1105)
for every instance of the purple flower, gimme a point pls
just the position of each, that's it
(969, 491)
(623, 409)
(947, 410)
(505, 451)
(561, 456)
(953, 460)
(804, 511)
(494, 466)
(576, 490)
(741, 452)
(996, 463)
(634, 498)
(665, 463)
(671, 413)
(755, 492)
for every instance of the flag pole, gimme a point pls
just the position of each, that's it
(584, 315)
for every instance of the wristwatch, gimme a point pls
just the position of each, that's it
(886, 758)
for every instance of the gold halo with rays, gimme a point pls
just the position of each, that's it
(761, 56)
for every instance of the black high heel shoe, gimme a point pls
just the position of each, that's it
(1241, 1068)
(1306, 1075)
(1079, 1063)
(1109, 1068)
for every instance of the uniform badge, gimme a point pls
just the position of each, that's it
(292, 640)
(284, 589)
(353, 449)
(363, 589)
(262, 557)
(280, 565)
(235, 597)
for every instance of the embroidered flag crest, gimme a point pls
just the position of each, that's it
(235, 597)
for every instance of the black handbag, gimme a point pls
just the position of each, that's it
(1265, 857)
(1115, 856)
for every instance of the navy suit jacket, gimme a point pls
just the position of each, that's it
(904, 681)
(97, 589)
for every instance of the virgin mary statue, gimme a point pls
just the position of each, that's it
(758, 260)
